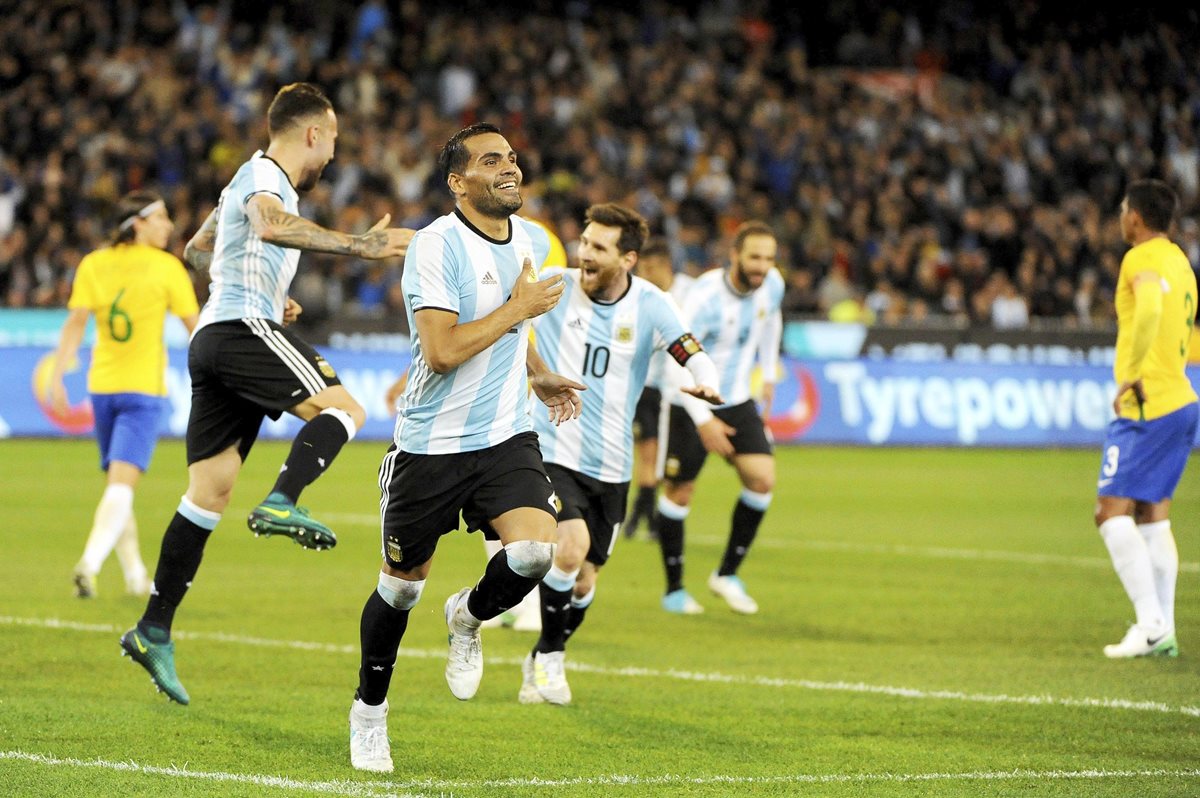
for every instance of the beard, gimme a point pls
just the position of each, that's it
(496, 205)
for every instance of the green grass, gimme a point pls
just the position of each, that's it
(972, 578)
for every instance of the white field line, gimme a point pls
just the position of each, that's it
(934, 552)
(382, 789)
(669, 673)
(333, 787)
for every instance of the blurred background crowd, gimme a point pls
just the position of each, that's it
(932, 163)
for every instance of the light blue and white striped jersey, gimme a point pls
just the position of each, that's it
(736, 329)
(483, 402)
(680, 284)
(608, 348)
(250, 278)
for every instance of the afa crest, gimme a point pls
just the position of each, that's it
(394, 552)
(325, 369)
(625, 333)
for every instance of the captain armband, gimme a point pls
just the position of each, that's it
(684, 347)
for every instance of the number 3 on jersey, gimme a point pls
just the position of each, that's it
(1111, 457)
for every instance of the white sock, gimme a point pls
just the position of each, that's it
(1131, 559)
(129, 554)
(1164, 560)
(116, 505)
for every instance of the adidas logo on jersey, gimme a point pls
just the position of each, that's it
(575, 324)
(488, 279)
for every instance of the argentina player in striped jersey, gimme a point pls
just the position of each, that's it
(245, 365)
(735, 313)
(654, 264)
(464, 441)
(602, 334)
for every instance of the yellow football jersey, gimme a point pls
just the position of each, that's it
(129, 288)
(1167, 386)
(557, 256)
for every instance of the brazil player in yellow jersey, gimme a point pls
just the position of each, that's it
(1148, 443)
(129, 287)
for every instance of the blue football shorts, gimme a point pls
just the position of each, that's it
(127, 426)
(1144, 460)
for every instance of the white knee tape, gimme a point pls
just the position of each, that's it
(400, 593)
(530, 558)
(344, 417)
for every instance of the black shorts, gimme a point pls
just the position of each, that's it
(242, 371)
(645, 415)
(685, 453)
(423, 494)
(601, 505)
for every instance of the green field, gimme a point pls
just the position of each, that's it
(931, 624)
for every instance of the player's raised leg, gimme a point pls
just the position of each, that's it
(333, 418)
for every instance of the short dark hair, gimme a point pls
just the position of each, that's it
(127, 209)
(750, 228)
(655, 247)
(294, 102)
(1155, 201)
(454, 154)
(633, 227)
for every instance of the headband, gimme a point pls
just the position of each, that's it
(142, 214)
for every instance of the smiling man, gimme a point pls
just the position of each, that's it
(602, 334)
(464, 441)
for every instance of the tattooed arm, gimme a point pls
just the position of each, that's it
(199, 251)
(276, 226)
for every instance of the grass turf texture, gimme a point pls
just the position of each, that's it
(973, 573)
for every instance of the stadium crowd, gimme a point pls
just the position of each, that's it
(959, 163)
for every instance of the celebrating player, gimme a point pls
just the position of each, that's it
(603, 334)
(654, 265)
(735, 314)
(245, 365)
(464, 442)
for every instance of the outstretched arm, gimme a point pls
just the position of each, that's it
(276, 226)
(199, 250)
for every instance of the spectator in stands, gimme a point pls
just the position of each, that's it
(1030, 140)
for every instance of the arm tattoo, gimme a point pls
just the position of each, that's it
(199, 250)
(200, 260)
(288, 230)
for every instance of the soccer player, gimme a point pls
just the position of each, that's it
(603, 334)
(1147, 445)
(464, 441)
(245, 365)
(735, 314)
(129, 287)
(654, 265)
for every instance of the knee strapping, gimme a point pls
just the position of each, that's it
(399, 593)
(530, 558)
